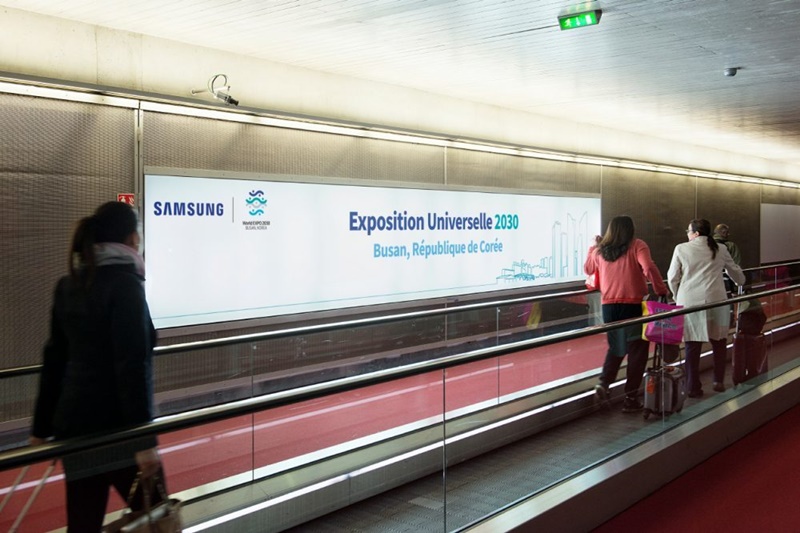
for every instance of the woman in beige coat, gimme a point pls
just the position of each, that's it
(695, 278)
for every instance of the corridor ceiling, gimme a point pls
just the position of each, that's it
(653, 67)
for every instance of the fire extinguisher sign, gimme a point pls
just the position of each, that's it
(127, 197)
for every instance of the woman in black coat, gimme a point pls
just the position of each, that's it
(97, 370)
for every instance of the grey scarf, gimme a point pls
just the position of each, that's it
(114, 253)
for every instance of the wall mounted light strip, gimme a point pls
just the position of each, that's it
(369, 132)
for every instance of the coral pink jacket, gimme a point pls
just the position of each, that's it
(624, 280)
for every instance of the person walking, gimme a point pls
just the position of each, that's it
(722, 236)
(97, 370)
(623, 265)
(695, 278)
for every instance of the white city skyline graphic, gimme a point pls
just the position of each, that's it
(569, 243)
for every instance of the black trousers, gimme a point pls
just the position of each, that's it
(626, 341)
(719, 350)
(87, 497)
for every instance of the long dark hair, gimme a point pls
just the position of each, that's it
(617, 238)
(703, 229)
(111, 222)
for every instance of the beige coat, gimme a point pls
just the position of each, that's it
(694, 279)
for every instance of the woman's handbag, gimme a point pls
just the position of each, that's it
(164, 517)
(665, 331)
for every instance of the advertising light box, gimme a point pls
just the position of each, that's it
(220, 249)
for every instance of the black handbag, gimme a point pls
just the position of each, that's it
(164, 517)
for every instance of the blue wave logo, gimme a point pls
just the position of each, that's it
(256, 203)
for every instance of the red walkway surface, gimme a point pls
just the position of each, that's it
(750, 486)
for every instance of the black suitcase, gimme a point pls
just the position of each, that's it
(749, 344)
(749, 356)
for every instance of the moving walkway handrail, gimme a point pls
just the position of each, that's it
(28, 455)
(333, 326)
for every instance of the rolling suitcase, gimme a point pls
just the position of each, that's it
(664, 387)
(749, 343)
(749, 356)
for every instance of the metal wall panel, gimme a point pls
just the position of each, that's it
(200, 143)
(483, 169)
(58, 161)
(778, 195)
(661, 206)
(739, 206)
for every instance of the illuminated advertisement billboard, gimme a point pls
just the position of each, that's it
(223, 249)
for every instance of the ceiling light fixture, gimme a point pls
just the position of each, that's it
(221, 92)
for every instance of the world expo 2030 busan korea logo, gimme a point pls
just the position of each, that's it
(256, 204)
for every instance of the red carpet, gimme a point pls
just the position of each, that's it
(752, 485)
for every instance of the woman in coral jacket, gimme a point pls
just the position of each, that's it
(695, 278)
(623, 264)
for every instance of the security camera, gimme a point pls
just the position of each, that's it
(228, 99)
(218, 92)
(731, 71)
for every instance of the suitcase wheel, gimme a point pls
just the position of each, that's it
(646, 414)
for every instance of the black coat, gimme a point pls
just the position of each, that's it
(97, 370)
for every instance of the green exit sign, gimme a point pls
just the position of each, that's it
(586, 14)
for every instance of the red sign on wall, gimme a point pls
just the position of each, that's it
(127, 197)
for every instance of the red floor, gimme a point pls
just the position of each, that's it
(750, 486)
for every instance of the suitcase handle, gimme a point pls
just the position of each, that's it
(32, 497)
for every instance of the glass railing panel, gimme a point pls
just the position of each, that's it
(471, 387)
(17, 398)
(298, 434)
(470, 391)
(524, 382)
(213, 456)
(213, 376)
(564, 313)
(785, 303)
(778, 276)
(543, 316)
(203, 460)
(471, 329)
(637, 430)
(537, 367)
(283, 440)
(751, 340)
(308, 358)
(783, 315)
(202, 378)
